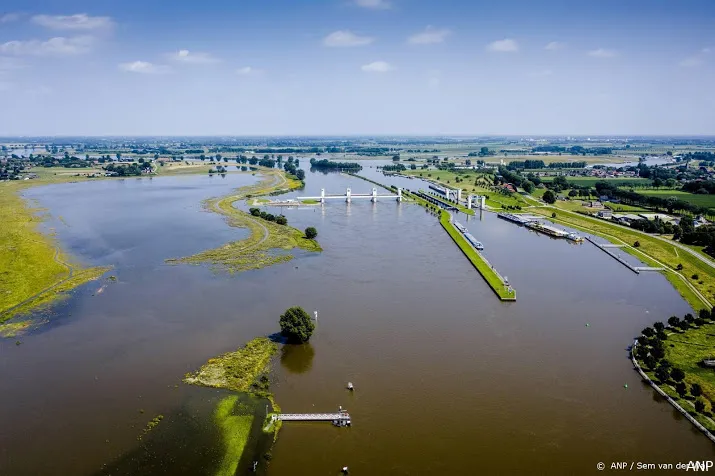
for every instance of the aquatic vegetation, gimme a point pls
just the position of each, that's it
(260, 248)
(235, 430)
(151, 425)
(237, 370)
(13, 329)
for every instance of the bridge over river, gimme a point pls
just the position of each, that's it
(349, 196)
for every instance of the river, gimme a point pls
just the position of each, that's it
(448, 379)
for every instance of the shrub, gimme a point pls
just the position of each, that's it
(311, 233)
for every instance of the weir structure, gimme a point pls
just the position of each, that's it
(349, 196)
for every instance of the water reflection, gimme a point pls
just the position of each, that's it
(297, 359)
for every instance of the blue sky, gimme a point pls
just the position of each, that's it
(324, 67)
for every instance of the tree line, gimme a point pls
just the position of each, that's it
(326, 164)
(651, 353)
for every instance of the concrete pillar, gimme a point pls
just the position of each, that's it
(482, 204)
(374, 195)
(469, 202)
(459, 195)
(348, 195)
(322, 195)
(399, 194)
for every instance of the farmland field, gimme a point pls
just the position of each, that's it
(591, 181)
(696, 199)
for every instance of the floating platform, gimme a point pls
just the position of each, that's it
(536, 225)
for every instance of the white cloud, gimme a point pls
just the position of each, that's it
(58, 46)
(374, 4)
(143, 67)
(346, 38)
(248, 71)
(185, 56)
(705, 50)
(555, 45)
(507, 45)
(5, 86)
(541, 73)
(80, 21)
(377, 67)
(602, 53)
(691, 62)
(9, 17)
(429, 36)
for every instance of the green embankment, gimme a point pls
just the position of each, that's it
(482, 266)
(695, 281)
(258, 249)
(33, 270)
(686, 350)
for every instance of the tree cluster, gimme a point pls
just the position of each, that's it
(326, 164)
(257, 212)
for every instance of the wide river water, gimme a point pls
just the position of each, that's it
(449, 380)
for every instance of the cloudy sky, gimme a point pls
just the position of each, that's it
(322, 67)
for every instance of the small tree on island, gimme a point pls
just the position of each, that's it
(699, 405)
(311, 233)
(296, 325)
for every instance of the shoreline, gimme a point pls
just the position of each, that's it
(38, 270)
(667, 397)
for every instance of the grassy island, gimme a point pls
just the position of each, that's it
(238, 370)
(254, 252)
(243, 371)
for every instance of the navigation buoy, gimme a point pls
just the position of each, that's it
(345, 470)
(588, 325)
(625, 386)
(350, 386)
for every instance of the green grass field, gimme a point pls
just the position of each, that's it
(707, 201)
(31, 264)
(685, 350)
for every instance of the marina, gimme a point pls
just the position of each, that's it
(536, 225)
